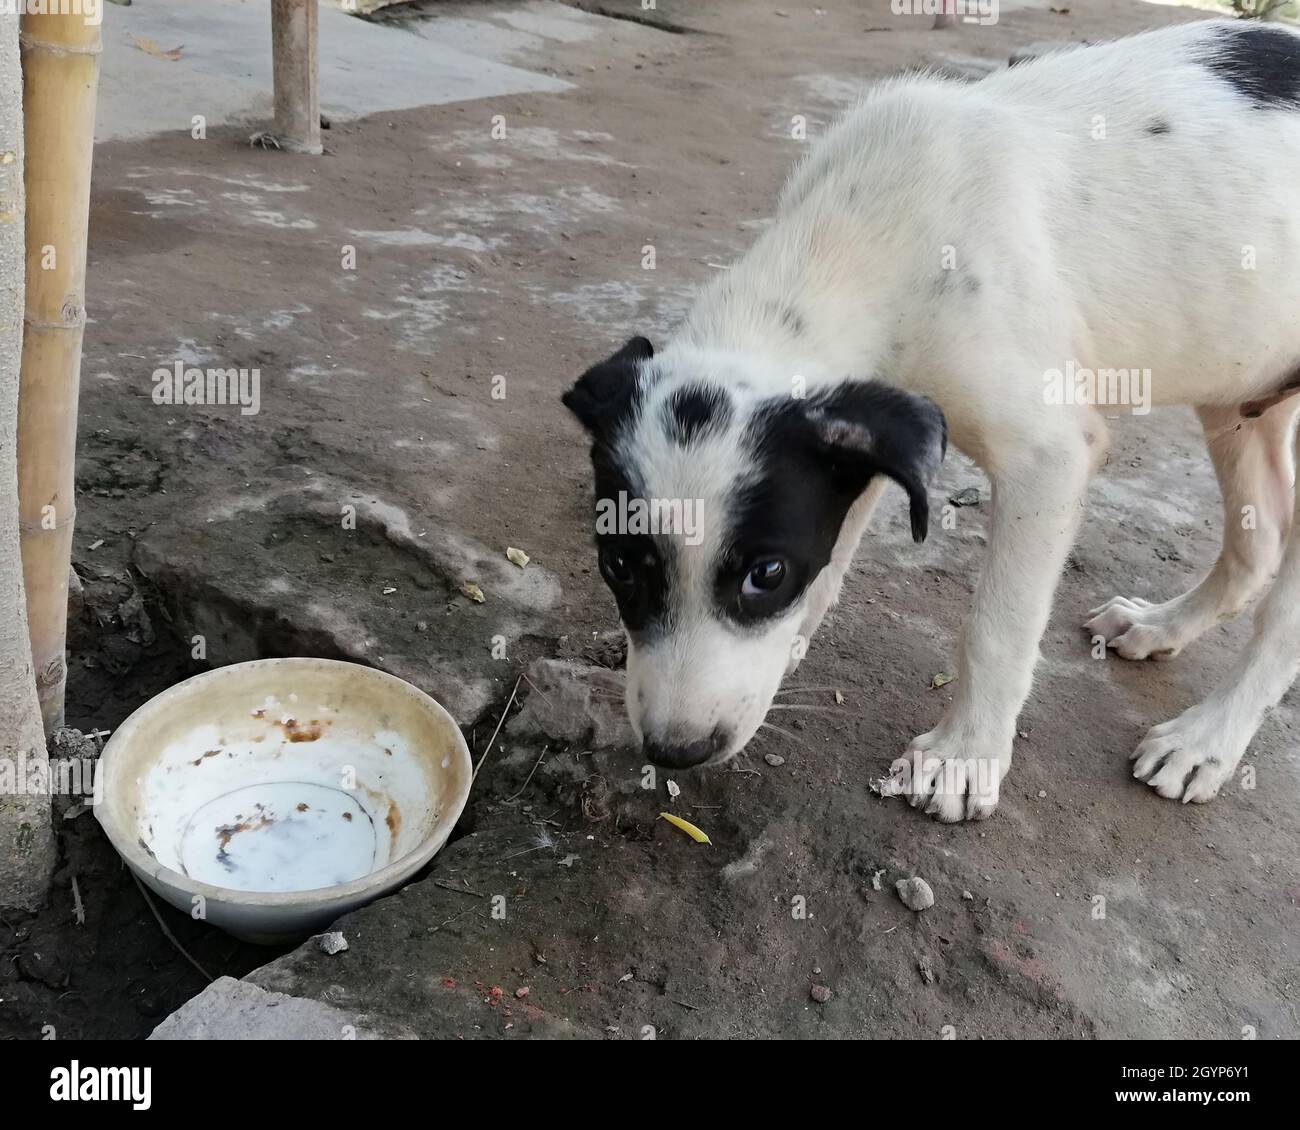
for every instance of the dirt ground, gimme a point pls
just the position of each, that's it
(521, 258)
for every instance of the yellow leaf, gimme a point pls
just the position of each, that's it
(687, 827)
(473, 592)
(940, 680)
(149, 47)
(518, 556)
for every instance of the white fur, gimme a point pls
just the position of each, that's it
(960, 241)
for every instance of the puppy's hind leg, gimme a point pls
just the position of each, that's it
(1191, 757)
(1254, 463)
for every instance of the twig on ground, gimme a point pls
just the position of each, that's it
(459, 890)
(449, 921)
(545, 696)
(78, 908)
(530, 777)
(493, 738)
(166, 932)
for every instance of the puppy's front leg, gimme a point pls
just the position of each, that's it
(955, 770)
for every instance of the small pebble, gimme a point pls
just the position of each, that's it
(332, 943)
(915, 893)
(927, 972)
(1042, 793)
(968, 896)
(774, 759)
(521, 992)
(821, 994)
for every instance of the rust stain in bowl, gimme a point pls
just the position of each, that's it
(210, 753)
(227, 832)
(297, 731)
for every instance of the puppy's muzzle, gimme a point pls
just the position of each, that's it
(670, 753)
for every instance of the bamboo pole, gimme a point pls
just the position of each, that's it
(295, 49)
(26, 840)
(60, 79)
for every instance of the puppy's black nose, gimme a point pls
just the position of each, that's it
(670, 754)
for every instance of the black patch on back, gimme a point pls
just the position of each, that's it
(1159, 126)
(1261, 62)
(693, 410)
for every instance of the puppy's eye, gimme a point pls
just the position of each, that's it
(765, 576)
(618, 571)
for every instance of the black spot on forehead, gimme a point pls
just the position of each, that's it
(694, 410)
(1262, 62)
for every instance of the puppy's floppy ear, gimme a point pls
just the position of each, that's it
(606, 391)
(871, 428)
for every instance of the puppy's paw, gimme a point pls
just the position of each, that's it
(1138, 629)
(951, 779)
(1191, 757)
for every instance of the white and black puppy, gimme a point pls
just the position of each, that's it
(936, 263)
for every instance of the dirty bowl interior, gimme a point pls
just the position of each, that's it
(270, 797)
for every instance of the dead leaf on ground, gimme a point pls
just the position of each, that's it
(150, 47)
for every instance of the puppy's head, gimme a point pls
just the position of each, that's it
(719, 499)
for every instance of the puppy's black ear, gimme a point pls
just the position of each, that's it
(870, 428)
(606, 391)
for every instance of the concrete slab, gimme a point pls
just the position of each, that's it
(224, 69)
(239, 1010)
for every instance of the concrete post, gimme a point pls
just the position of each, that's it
(295, 49)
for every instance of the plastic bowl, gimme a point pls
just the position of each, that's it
(271, 797)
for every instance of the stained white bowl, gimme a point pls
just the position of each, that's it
(270, 797)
